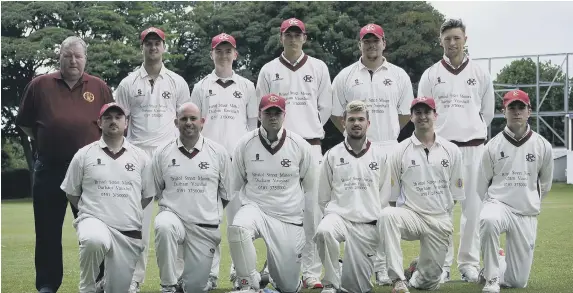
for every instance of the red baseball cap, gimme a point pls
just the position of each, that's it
(222, 38)
(152, 30)
(430, 102)
(292, 22)
(372, 29)
(516, 95)
(110, 106)
(272, 100)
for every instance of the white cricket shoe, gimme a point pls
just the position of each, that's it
(134, 287)
(470, 275)
(382, 278)
(311, 283)
(211, 283)
(445, 276)
(400, 287)
(491, 286)
(168, 289)
(329, 289)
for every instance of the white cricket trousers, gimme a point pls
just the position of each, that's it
(361, 245)
(434, 233)
(99, 242)
(231, 210)
(311, 265)
(469, 249)
(284, 242)
(521, 231)
(198, 242)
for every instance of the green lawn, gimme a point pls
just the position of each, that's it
(552, 267)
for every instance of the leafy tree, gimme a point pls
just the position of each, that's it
(523, 71)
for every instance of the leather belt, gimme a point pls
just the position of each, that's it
(208, 226)
(132, 234)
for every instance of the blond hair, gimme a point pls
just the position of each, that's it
(357, 106)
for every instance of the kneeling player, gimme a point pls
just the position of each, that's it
(191, 172)
(274, 173)
(354, 187)
(427, 176)
(113, 180)
(516, 174)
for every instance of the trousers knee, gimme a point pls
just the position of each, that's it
(92, 243)
(238, 234)
(489, 224)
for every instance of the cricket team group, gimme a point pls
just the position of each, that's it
(255, 154)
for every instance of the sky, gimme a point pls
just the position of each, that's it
(510, 28)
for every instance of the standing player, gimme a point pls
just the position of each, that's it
(151, 96)
(516, 174)
(191, 172)
(354, 187)
(274, 172)
(304, 82)
(113, 180)
(386, 88)
(465, 100)
(427, 175)
(230, 108)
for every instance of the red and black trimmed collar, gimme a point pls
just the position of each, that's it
(108, 152)
(365, 148)
(511, 137)
(268, 146)
(297, 65)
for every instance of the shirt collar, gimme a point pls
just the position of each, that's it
(466, 58)
(213, 77)
(143, 73)
(263, 133)
(58, 75)
(512, 135)
(384, 65)
(347, 144)
(198, 145)
(297, 60)
(417, 142)
(103, 145)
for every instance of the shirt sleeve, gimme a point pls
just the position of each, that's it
(157, 174)
(485, 174)
(487, 100)
(148, 185)
(324, 95)
(395, 174)
(338, 96)
(546, 172)
(406, 94)
(263, 85)
(238, 172)
(424, 86)
(183, 93)
(224, 190)
(196, 98)
(27, 113)
(122, 97)
(252, 102)
(457, 175)
(72, 183)
(325, 183)
(308, 171)
(385, 188)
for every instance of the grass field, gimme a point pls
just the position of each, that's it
(552, 270)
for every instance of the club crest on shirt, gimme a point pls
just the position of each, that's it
(203, 165)
(89, 97)
(166, 95)
(387, 82)
(129, 167)
(343, 162)
(373, 166)
(173, 163)
(445, 163)
(530, 157)
(286, 163)
(308, 78)
(472, 81)
(237, 94)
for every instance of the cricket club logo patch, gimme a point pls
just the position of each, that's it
(88, 96)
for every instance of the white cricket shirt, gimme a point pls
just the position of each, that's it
(152, 109)
(307, 89)
(355, 186)
(518, 173)
(226, 106)
(427, 182)
(387, 91)
(111, 186)
(464, 98)
(276, 178)
(192, 182)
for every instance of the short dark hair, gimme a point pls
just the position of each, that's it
(452, 23)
